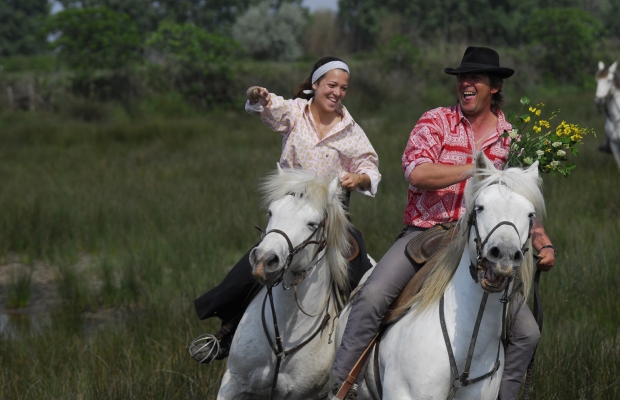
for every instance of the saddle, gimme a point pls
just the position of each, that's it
(421, 250)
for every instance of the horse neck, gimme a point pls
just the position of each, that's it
(463, 296)
(613, 104)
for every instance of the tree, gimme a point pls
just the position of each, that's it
(95, 38)
(213, 15)
(20, 21)
(564, 39)
(197, 62)
(271, 34)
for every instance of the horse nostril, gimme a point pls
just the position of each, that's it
(494, 252)
(518, 257)
(273, 262)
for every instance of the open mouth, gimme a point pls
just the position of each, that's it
(468, 95)
(489, 280)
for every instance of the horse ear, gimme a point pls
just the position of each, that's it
(601, 66)
(334, 188)
(612, 67)
(482, 163)
(533, 170)
(280, 170)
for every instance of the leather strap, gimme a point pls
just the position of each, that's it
(351, 378)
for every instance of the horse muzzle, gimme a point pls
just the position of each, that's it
(266, 266)
(498, 265)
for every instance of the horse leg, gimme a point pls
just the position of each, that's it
(232, 388)
(615, 149)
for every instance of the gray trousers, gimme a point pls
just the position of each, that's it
(386, 282)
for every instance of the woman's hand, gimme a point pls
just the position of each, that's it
(352, 181)
(258, 94)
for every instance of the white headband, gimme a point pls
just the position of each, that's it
(323, 69)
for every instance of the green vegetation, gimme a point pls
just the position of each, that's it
(135, 215)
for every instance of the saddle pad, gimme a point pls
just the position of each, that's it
(397, 309)
(422, 247)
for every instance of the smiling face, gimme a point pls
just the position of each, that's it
(330, 90)
(475, 93)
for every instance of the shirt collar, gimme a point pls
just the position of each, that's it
(346, 117)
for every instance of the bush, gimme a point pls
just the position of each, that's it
(269, 34)
(562, 41)
(400, 54)
(94, 38)
(193, 61)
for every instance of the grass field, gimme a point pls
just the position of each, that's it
(116, 226)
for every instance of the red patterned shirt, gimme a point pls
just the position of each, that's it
(444, 136)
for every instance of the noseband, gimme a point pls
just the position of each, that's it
(472, 221)
(293, 250)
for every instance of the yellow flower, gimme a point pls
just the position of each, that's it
(537, 129)
(538, 113)
(532, 109)
(526, 119)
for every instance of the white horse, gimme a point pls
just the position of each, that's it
(608, 96)
(413, 360)
(302, 250)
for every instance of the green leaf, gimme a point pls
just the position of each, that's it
(524, 101)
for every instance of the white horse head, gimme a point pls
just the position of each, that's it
(305, 216)
(605, 81)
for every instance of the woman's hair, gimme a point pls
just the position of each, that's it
(307, 84)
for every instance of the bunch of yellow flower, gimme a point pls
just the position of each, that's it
(541, 142)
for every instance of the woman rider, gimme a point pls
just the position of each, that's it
(319, 135)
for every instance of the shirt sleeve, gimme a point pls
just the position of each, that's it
(281, 114)
(424, 144)
(366, 161)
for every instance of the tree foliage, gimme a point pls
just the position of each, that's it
(564, 40)
(94, 38)
(196, 62)
(269, 33)
(20, 21)
(213, 15)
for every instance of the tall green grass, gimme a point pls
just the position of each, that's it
(138, 216)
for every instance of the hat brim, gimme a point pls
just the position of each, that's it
(489, 69)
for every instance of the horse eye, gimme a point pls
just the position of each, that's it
(313, 226)
(531, 215)
(269, 213)
(479, 208)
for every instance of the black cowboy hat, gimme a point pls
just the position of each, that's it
(480, 59)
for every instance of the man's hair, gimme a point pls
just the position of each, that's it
(498, 98)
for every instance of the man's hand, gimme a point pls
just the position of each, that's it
(547, 259)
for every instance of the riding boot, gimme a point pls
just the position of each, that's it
(351, 394)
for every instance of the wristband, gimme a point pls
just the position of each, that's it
(549, 246)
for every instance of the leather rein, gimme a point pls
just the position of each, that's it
(276, 343)
(461, 380)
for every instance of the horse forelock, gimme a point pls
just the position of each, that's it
(315, 190)
(448, 260)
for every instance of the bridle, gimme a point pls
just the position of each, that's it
(276, 344)
(605, 102)
(472, 222)
(293, 250)
(460, 380)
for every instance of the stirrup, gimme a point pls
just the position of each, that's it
(205, 348)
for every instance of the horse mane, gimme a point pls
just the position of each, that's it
(514, 179)
(315, 190)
